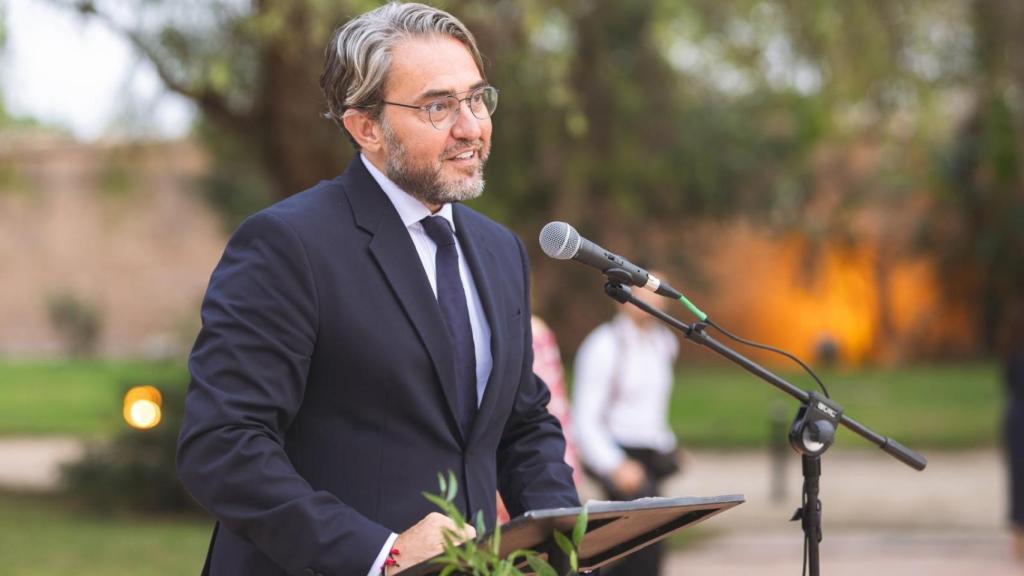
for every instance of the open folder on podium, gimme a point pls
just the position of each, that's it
(614, 529)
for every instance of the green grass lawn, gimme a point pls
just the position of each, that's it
(81, 398)
(44, 536)
(951, 406)
(936, 406)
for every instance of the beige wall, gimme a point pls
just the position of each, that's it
(120, 226)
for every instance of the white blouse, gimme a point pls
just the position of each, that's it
(622, 384)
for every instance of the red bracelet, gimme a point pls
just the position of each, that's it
(390, 561)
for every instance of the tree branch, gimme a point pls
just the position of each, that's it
(211, 102)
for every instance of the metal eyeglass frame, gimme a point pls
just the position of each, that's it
(449, 120)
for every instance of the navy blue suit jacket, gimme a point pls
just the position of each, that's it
(322, 396)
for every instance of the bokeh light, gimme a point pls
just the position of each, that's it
(142, 407)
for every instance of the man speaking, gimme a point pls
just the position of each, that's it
(365, 334)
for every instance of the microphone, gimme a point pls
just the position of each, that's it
(562, 242)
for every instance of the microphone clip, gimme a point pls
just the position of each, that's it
(814, 428)
(617, 291)
(618, 275)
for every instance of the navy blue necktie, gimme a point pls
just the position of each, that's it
(452, 299)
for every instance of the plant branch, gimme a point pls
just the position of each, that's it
(211, 102)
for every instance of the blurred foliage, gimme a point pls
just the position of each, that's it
(978, 223)
(117, 179)
(136, 471)
(634, 119)
(236, 184)
(12, 179)
(77, 322)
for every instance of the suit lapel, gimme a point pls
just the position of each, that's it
(484, 267)
(396, 255)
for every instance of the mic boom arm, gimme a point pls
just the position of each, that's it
(696, 333)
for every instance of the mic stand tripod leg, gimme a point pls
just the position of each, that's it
(812, 433)
(810, 514)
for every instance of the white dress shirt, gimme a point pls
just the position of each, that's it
(622, 384)
(411, 211)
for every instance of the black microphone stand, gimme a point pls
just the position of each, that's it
(813, 430)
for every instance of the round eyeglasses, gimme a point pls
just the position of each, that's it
(444, 111)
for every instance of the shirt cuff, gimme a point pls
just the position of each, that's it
(375, 568)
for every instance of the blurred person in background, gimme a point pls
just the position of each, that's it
(622, 384)
(1013, 423)
(547, 365)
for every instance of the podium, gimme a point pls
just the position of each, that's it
(614, 529)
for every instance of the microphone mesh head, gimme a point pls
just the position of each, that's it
(559, 240)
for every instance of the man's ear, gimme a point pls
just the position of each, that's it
(364, 130)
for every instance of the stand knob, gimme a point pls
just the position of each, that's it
(818, 435)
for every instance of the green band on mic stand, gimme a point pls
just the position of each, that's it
(696, 311)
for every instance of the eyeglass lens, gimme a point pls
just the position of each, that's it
(482, 103)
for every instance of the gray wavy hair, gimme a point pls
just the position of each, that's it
(358, 57)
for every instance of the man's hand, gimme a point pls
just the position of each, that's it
(629, 477)
(425, 540)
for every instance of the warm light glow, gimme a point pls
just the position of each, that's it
(144, 414)
(142, 407)
(870, 305)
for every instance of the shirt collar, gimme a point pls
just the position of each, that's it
(410, 210)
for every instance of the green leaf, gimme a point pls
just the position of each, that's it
(496, 539)
(518, 556)
(564, 543)
(477, 559)
(481, 528)
(453, 486)
(218, 75)
(574, 562)
(436, 500)
(580, 529)
(541, 567)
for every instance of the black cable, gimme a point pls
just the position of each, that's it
(752, 344)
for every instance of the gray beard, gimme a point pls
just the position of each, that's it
(424, 182)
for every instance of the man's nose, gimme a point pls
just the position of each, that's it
(467, 126)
